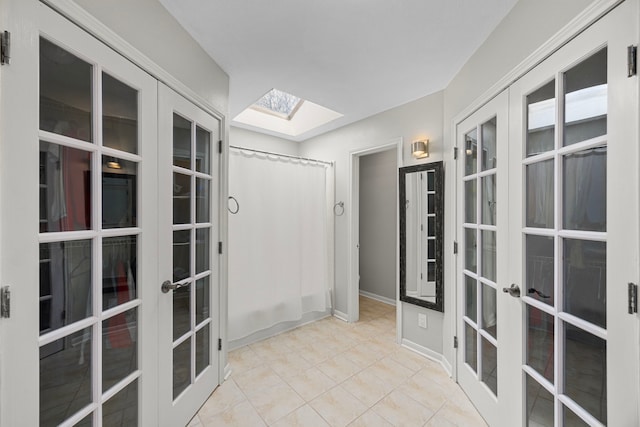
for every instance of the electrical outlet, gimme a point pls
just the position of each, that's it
(422, 320)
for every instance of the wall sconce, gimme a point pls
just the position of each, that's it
(114, 164)
(420, 149)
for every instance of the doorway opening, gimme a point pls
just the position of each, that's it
(373, 236)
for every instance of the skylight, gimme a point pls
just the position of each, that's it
(278, 103)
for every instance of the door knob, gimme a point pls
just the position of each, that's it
(168, 286)
(514, 290)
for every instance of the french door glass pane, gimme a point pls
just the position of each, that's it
(470, 241)
(65, 283)
(181, 142)
(181, 311)
(572, 420)
(585, 190)
(489, 154)
(471, 347)
(490, 365)
(119, 270)
(539, 405)
(65, 92)
(202, 349)
(203, 147)
(540, 193)
(65, 188)
(471, 298)
(119, 115)
(470, 201)
(489, 314)
(489, 199)
(585, 280)
(540, 341)
(489, 261)
(181, 255)
(119, 347)
(203, 199)
(585, 370)
(540, 268)
(541, 119)
(202, 300)
(122, 409)
(202, 250)
(119, 193)
(181, 198)
(181, 367)
(65, 377)
(471, 152)
(585, 88)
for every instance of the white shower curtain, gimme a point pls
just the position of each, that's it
(278, 241)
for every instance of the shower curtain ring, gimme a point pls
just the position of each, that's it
(338, 207)
(237, 209)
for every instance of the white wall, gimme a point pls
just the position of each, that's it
(240, 137)
(378, 212)
(147, 26)
(419, 119)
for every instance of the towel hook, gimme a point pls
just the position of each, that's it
(237, 209)
(338, 207)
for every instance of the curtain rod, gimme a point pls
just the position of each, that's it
(282, 155)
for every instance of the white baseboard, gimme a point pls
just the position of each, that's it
(277, 329)
(447, 366)
(340, 315)
(378, 298)
(429, 354)
(227, 372)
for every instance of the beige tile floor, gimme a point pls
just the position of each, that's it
(332, 373)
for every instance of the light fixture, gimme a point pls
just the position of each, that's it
(113, 164)
(420, 149)
(470, 147)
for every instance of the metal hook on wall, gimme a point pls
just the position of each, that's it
(237, 209)
(338, 207)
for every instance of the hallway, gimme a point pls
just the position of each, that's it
(331, 373)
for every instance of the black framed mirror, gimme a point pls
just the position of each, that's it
(421, 232)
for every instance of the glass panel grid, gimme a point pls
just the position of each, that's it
(480, 252)
(102, 344)
(566, 271)
(191, 251)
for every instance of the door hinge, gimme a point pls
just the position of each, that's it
(633, 298)
(455, 153)
(5, 47)
(5, 302)
(219, 344)
(632, 61)
(455, 247)
(220, 146)
(220, 248)
(455, 342)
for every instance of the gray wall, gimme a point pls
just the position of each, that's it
(378, 212)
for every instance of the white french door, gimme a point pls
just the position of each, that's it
(572, 248)
(78, 213)
(485, 327)
(87, 193)
(189, 319)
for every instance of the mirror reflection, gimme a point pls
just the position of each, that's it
(421, 222)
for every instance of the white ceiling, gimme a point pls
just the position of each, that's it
(356, 57)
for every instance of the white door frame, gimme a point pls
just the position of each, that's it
(353, 287)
